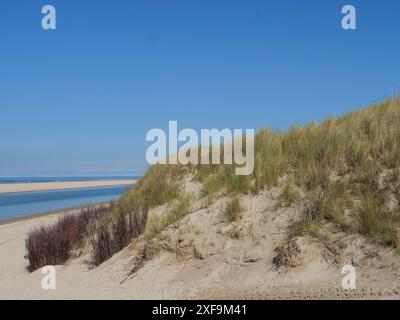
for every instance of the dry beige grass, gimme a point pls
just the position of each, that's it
(336, 164)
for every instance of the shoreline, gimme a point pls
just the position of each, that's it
(9, 188)
(50, 213)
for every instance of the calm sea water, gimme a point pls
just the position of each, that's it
(28, 203)
(60, 179)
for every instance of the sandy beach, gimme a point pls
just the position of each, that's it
(74, 280)
(223, 268)
(46, 186)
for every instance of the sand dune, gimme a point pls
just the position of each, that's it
(202, 257)
(286, 239)
(45, 186)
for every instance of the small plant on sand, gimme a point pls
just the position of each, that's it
(114, 234)
(287, 256)
(375, 220)
(179, 208)
(326, 204)
(238, 184)
(289, 194)
(213, 183)
(52, 245)
(232, 210)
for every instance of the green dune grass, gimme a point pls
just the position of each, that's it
(344, 164)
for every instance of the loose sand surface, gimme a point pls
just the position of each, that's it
(203, 257)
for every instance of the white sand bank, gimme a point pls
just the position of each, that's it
(45, 186)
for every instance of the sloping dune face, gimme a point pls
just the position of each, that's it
(319, 216)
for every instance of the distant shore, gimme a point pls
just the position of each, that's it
(47, 186)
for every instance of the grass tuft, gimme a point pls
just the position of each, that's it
(179, 208)
(113, 236)
(376, 221)
(232, 210)
(289, 194)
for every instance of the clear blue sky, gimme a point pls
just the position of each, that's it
(79, 100)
